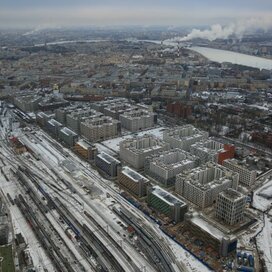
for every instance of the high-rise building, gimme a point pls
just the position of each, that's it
(209, 150)
(135, 150)
(166, 203)
(247, 177)
(165, 165)
(230, 206)
(202, 185)
(134, 182)
(183, 137)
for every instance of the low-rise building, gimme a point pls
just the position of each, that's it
(202, 185)
(166, 165)
(134, 182)
(209, 150)
(107, 164)
(135, 150)
(166, 203)
(183, 137)
(53, 127)
(85, 150)
(247, 176)
(230, 206)
(42, 118)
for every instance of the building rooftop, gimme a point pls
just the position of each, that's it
(232, 194)
(84, 144)
(166, 196)
(68, 131)
(133, 174)
(107, 158)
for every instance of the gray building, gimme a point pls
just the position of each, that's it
(134, 151)
(68, 136)
(107, 164)
(230, 206)
(183, 137)
(202, 185)
(166, 165)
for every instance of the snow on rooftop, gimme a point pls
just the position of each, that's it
(133, 174)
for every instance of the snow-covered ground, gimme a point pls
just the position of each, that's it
(259, 200)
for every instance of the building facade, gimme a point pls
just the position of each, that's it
(230, 206)
(166, 203)
(247, 177)
(133, 181)
(107, 164)
(68, 136)
(202, 185)
(135, 150)
(166, 165)
(183, 137)
(85, 150)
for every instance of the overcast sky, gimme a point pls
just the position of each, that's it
(51, 13)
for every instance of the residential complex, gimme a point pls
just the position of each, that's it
(165, 165)
(138, 119)
(247, 177)
(202, 185)
(209, 150)
(183, 137)
(134, 151)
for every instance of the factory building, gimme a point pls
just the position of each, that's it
(100, 128)
(247, 177)
(53, 127)
(166, 203)
(183, 137)
(136, 120)
(85, 150)
(42, 118)
(68, 136)
(209, 150)
(133, 181)
(202, 185)
(230, 206)
(135, 150)
(107, 164)
(165, 165)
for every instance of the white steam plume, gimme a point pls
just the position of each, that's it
(237, 29)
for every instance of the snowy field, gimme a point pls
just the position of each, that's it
(260, 201)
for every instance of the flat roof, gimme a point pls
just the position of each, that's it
(68, 131)
(133, 174)
(84, 144)
(166, 196)
(107, 158)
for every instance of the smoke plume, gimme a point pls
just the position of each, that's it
(237, 29)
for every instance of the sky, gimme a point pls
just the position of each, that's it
(57, 13)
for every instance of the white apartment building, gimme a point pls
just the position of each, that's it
(183, 137)
(202, 185)
(247, 177)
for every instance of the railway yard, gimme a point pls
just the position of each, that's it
(67, 227)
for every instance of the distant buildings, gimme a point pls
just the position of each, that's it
(135, 150)
(179, 109)
(165, 165)
(133, 181)
(166, 203)
(247, 177)
(183, 137)
(202, 185)
(138, 119)
(28, 103)
(107, 164)
(209, 150)
(230, 206)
